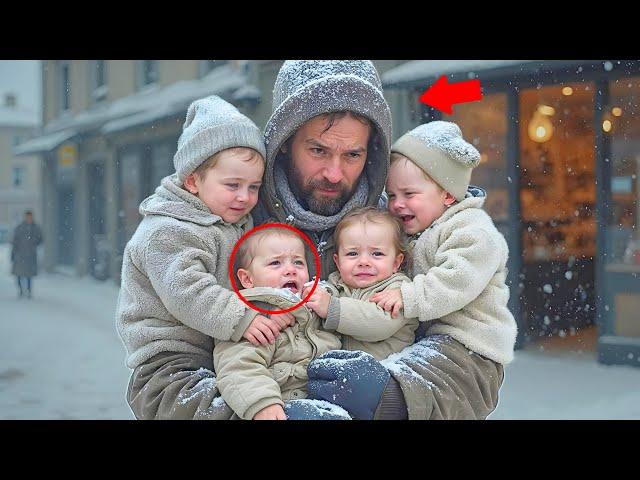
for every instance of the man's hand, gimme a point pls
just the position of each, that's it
(353, 380)
(272, 412)
(319, 301)
(263, 330)
(307, 409)
(389, 300)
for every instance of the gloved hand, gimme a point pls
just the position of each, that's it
(353, 380)
(307, 409)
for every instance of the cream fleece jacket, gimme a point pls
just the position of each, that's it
(459, 274)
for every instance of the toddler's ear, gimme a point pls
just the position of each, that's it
(245, 278)
(449, 199)
(398, 262)
(190, 184)
(335, 259)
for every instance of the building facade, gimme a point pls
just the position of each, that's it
(560, 145)
(19, 175)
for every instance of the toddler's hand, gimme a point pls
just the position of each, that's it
(272, 412)
(263, 330)
(389, 300)
(283, 320)
(319, 302)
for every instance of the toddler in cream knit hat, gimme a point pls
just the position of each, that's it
(458, 257)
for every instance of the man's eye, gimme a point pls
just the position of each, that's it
(317, 151)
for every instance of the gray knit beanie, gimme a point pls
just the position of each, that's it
(213, 125)
(439, 149)
(307, 88)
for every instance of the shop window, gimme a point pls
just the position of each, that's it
(484, 124)
(64, 97)
(131, 194)
(146, 73)
(17, 177)
(621, 124)
(97, 80)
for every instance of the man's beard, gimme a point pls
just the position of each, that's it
(321, 206)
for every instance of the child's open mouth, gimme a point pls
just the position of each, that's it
(291, 286)
(407, 218)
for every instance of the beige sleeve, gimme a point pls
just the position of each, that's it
(243, 377)
(401, 339)
(366, 321)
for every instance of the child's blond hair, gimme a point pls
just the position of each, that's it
(373, 215)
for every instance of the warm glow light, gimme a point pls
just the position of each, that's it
(567, 91)
(540, 128)
(484, 157)
(617, 111)
(546, 110)
(606, 125)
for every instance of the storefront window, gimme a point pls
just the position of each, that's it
(130, 195)
(621, 125)
(484, 124)
(621, 122)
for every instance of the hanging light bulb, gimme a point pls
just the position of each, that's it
(540, 127)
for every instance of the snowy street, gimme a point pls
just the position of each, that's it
(60, 358)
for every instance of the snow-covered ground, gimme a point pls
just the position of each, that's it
(60, 358)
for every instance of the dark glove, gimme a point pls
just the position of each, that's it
(313, 410)
(353, 380)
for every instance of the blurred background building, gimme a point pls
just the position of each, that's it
(19, 175)
(560, 145)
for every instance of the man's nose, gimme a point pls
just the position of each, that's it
(333, 171)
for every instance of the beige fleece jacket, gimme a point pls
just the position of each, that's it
(251, 378)
(459, 274)
(364, 325)
(175, 293)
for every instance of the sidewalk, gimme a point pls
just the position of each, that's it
(61, 358)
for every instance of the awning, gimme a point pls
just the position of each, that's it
(44, 143)
(420, 70)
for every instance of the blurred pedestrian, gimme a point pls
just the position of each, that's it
(26, 238)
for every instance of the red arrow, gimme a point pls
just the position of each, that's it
(442, 95)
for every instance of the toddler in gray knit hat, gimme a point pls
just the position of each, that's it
(176, 293)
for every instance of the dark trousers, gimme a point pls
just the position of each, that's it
(27, 280)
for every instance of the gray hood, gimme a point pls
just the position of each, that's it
(307, 88)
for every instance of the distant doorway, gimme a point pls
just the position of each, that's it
(557, 195)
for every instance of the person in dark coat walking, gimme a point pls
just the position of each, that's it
(26, 238)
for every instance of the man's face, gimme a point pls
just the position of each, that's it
(28, 218)
(326, 165)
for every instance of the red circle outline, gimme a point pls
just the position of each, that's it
(262, 227)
